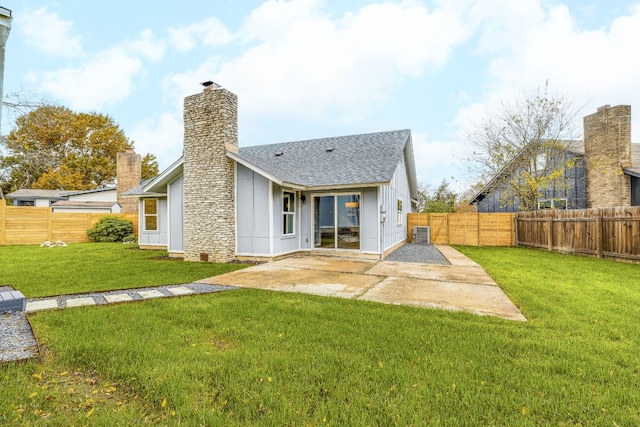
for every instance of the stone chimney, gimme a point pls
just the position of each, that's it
(607, 149)
(129, 175)
(210, 129)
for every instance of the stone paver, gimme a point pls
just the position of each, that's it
(45, 304)
(78, 302)
(180, 290)
(151, 294)
(117, 298)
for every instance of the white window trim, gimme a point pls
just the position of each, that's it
(291, 213)
(145, 215)
(399, 209)
(553, 203)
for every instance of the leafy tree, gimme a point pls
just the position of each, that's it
(522, 145)
(442, 199)
(150, 166)
(52, 147)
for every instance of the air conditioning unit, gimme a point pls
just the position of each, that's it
(422, 235)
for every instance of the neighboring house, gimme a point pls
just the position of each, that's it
(101, 200)
(605, 171)
(221, 202)
(40, 198)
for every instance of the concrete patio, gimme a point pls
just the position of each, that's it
(463, 285)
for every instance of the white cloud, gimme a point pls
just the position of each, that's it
(210, 32)
(48, 33)
(162, 137)
(298, 60)
(591, 66)
(103, 79)
(442, 159)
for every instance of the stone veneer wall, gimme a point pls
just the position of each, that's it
(607, 149)
(210, 128)
(129, 174)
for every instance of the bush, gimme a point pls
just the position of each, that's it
(110, 229)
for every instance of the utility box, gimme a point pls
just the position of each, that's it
(422, 235)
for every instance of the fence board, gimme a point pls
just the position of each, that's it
(610, 232)
(472, 229)
(24, 225)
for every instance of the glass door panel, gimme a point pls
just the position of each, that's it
(348, 227)
(324, 219)
(337, 221)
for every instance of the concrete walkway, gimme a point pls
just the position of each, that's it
(126, 295)
(463, 285)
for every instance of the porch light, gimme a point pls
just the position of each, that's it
(351, 205)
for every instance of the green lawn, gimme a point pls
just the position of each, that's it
(87, 267)
(251, 357)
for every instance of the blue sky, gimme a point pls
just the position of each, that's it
(306, 69)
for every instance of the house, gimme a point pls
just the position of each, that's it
(604, 169)
(101, 200)
(221, 202)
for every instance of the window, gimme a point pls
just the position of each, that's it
(288, 212)
(552, 204)
(150, 213)
(399, 212)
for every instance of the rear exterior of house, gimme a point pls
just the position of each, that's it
(347, 195)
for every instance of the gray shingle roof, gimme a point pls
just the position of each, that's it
(345, 160)
(29, 193)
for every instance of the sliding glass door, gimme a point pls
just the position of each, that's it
(337, 221)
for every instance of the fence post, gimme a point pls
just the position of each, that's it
(550, 233)
(515, 230)
(599, 234)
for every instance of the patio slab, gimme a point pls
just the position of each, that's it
(463, 285)
(279, 276)
(476, 298)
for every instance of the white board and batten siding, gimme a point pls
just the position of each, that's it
(394, 231)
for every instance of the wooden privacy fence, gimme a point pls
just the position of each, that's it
(22, 225)
(605, 232)
(471, 229)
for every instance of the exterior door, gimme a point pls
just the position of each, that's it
(337, 221)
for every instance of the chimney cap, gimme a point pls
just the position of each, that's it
(209, 83)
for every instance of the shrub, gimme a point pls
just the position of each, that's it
(110, 229)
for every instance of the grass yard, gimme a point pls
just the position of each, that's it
(86, 267)
(251, 357)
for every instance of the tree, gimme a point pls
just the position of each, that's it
(150, 168)
(52, 147)
(441, 200)
(522, 145)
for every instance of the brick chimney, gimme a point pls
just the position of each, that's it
(210, 129)
(128, 175)
(607, 149)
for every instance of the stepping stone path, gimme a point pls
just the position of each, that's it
(18, 341)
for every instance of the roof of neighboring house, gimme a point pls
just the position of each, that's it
(97, 190)
(573, 146)
(331, 162)
(82, 204)
(364, 159)
(27, 193)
